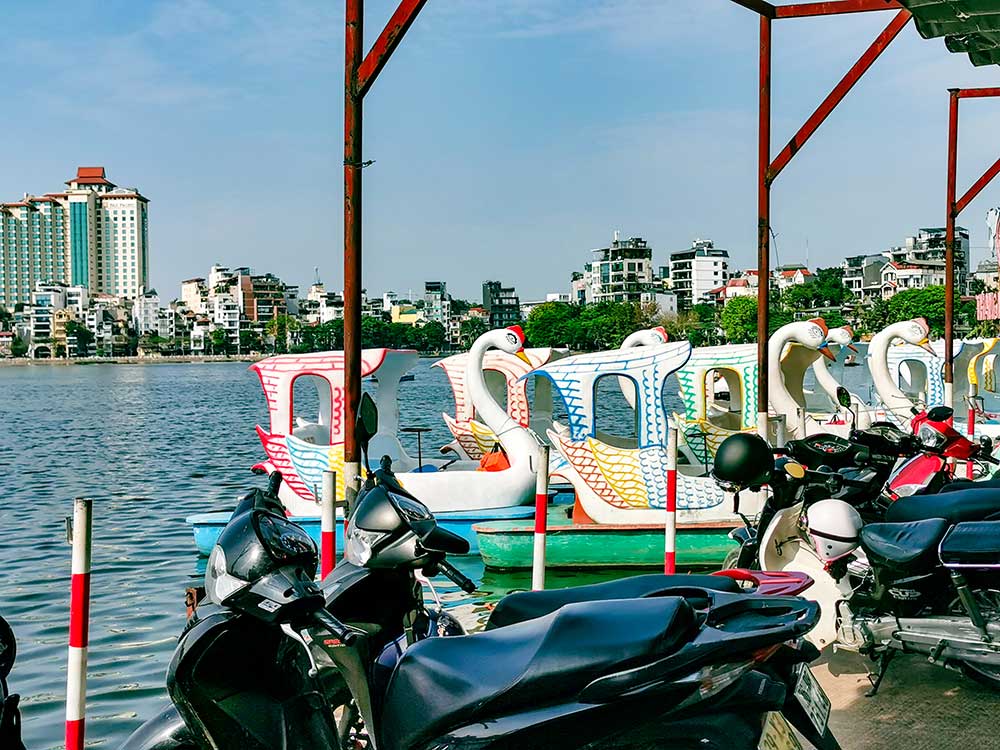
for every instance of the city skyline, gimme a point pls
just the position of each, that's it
(623, 115)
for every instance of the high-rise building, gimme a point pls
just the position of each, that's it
(695, 272)
(93, 234)
(502, 304)
(437, 303)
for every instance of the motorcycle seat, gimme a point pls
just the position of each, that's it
(972, 544)
(442, 683)
(955, 507)
(904, 546)
(527, 605)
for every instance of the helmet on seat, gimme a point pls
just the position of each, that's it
(743, 460)
(835, 528)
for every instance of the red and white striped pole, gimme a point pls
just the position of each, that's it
(541, 518)
(328, 523)
(971, 429)
(79, 623)
(670, 527)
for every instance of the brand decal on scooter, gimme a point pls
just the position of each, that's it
(268, 605)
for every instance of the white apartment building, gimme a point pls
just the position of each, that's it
(145, 310)
(93, 234)
(226, 314)
(694, 273)
(622, 272)
(194, 295)
(45, 300)
(898, 277)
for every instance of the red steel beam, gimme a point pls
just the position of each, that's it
(973, 191)
(839, 92)
(833, 8)
(976, 93)
(353, 119)
(763, 221)
(949, 247)
(385, 45)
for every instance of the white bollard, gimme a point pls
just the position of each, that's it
(328, 523)
(670, 526)
(79, 625)
(541, 518)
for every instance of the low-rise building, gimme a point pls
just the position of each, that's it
(696, 271)
(621, 272)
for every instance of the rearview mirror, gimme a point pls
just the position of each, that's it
(8, 649)
(843, 397)
(940, 414)
(367, 424)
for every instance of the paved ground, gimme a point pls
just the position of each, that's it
(919, 706)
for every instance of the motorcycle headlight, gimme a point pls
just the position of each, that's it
(931, 437)
(219, 583)
(360, 544)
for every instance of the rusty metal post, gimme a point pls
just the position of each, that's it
(353, 118)
(949, 250)
(763, 220)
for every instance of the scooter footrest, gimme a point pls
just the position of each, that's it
(972, 544)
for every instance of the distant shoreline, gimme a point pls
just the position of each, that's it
(209, 359)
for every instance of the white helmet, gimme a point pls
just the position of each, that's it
(835, 527)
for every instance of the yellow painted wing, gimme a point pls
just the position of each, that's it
(622, 471)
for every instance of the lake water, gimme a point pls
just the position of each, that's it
(151, 444)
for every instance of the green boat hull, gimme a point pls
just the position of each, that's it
(507, 545)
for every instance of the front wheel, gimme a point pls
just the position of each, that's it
(732, 559)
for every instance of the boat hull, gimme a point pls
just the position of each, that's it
(207, 526)
(507, 545)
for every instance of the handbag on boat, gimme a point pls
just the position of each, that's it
(495, 460)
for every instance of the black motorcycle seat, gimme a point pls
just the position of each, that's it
(958, 506)
(527, 605)
(972, 544)
(905, 546)
(441, 683)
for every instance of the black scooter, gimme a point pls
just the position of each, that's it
(10, 714)
(270, 665)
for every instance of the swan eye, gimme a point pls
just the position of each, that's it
(512, 339)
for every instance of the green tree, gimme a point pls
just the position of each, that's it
(919, 303)
(552, 324)
(739, 320)
(219, 341)
(250, 341)
(84, 337)
(434, 337)
(18, 347)
(471, 329)
(281, 328)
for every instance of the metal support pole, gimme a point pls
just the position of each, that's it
(763, 220)
(541, 518)
(670, 525)
(79, 625)
(949, 251)
(353, 118)
(328, 523)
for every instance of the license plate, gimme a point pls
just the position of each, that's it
(778, 735)
(812, 698)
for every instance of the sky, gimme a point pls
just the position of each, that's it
(509, 138)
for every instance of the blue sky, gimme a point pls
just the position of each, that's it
(509, 138)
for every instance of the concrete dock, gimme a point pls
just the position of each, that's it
(920, 706)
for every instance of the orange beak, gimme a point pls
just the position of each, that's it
(852, 347)
(825, 351)
(523, 357)
(925, 344)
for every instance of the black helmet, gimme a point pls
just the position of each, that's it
(743, 460)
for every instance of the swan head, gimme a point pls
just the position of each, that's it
(510, 340)
(914, 332)
(843, 336)
(809, 333)
(646, 337)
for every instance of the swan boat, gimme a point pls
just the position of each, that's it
(619, 513)
(302, 449)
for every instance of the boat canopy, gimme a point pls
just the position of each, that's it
(970, 26)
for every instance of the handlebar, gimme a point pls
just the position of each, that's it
(456, 576)
(341, 631)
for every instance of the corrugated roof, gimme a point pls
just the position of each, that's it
(970, 26)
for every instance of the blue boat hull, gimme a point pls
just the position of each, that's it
(208, 526)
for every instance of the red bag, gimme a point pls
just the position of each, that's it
(495, 460)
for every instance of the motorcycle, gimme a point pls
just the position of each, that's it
(926, 586)
(10, 713)
(267, 664)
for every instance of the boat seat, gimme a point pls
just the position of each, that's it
(527, 605)
(904, 546)
(440, 683)
(958, 506)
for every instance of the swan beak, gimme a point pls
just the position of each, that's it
(852, 347)
(925, 344)
(825, 351)
(522, 356)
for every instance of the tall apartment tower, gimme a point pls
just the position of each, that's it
(696, 271)
(93, 234)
